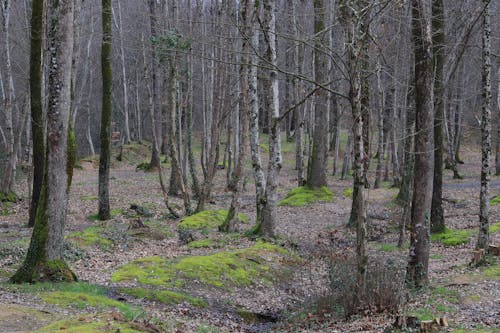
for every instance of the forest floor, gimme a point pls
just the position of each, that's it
(136, 278)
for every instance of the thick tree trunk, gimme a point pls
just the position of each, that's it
(437, 213)
(418, 264)
(484, 203)
(37, 14)
(44, 260)
(107, 81)
(317, 168)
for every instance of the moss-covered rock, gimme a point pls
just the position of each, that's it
(262, 262)
(302, 196)
(197, 226)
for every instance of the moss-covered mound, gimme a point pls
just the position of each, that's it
(78, 295)
(194, 227)
(452, 237)
(302, 196)
(261, 263)
(105, 323)
(93, 236)
(495, 200)
(165, 296)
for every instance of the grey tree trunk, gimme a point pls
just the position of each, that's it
(317, 168)
(418, 263)
(380, 140)
(107, 82)
(44, 260)
(437, 213)
(270, 204)
(484, 203)
(11, 156)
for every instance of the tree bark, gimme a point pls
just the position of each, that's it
(317, 168)
(37, 14)
(44, 260)
(418, 264)
(107, 82)
(437, 213)
(484, 203)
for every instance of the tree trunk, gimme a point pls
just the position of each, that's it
(241, 136)
(44, 260)
(107, 81)
(37, 14)
(497, 155)
(437, 213)
(11, 156)
(418, 264)
(270, 204)
(380, 141)
(484, 203)
(317, 168)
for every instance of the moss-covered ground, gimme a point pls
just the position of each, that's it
(452, 237)
(207, 220)
(226, 269)
(302, 196)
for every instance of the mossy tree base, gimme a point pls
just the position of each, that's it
(49, 271)
(302, 196)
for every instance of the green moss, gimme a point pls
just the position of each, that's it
(388, 247)
(436, 256)
(452, 237)
(207, 220)
(165, 296)
(8, 197)
(443, 293)
(481, 330)
(492, 271)
(302, 196)
(347, 192)
(223, 269)
(422, 313)
(495, 227)
(93, 236)
(89, 197)
(114, 212)
(89, 325)
(495, 201)
(202, 243)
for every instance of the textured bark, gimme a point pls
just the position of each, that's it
(497, 155)
(317, 167)
(44, 260)
(484, 204)
(11, 156)
(418, 264)
(270, 204)
(437, 213)
(380, 126)
(37, 131)
(155, 155)
(106, 113)
(242, 135)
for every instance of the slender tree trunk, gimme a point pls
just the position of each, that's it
(484, 204)
(37, 14)
(380, 141)
(11, 156)
(317, 168)
(418, 264)
(44, 260)
(155, 156)
(119, 28)
(497, 155)
(437, 213)
(270, 205)
(346, 163)
(107, 81)
(232, 216)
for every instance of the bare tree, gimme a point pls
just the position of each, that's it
(418, 264)
(484, 204)
(44, 260)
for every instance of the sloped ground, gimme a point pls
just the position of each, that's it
(283, 291)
